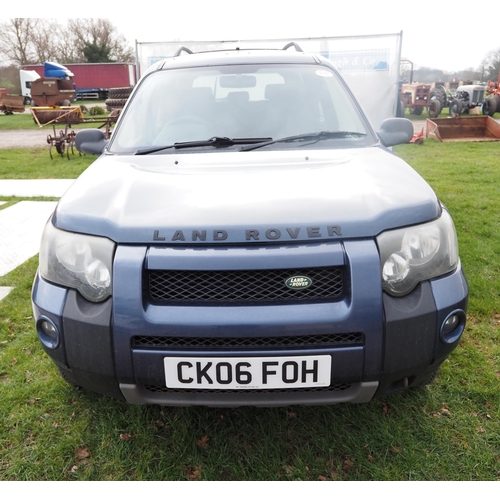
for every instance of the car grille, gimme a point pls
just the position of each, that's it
(247, 286)
(250, 343)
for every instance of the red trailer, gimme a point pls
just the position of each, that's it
(93, 80)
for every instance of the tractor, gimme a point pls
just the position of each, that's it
(491, 103)
(417, 96)
(466, 98)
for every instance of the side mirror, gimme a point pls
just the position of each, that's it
(395, 131)
(91, 141)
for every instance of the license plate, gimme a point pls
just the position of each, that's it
(248, 373)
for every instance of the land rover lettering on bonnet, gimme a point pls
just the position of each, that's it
(245, 237)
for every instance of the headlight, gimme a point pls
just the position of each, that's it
(414, 254)
(77, 261)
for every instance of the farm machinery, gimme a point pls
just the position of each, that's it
(491, 103)
(417, 96)
(10, 103)
(467, 97)
(64, 140)
(52, 96)
(55, 88)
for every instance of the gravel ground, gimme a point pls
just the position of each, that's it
(29, 138)
(24, 138)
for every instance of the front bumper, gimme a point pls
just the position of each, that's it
(379, 344)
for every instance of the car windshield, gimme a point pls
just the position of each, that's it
(226, 107)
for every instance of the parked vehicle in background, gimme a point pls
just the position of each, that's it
(27, 77)
(491, 103)
(466, 98)
(439, 93)
(92, 80)
(55, 88)
(417, 96)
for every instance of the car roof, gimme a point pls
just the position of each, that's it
(185, 59)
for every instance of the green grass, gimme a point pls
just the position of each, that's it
(25, 121)
(17, 122)
(22, 163)
(448, 431)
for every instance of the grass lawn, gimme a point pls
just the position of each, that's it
(447, 431)
(22, 163)
(25, 121)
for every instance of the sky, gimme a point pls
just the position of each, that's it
(429, 39)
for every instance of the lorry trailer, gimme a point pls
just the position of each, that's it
(92, 80)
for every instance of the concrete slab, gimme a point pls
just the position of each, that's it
(4, 291)
(21, 227)
(34, 187)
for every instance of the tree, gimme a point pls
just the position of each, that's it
(96, 53)
(96, 40)
(9, 78)
(16, 41)
(45, 40)
(491, 65)
(26, 41)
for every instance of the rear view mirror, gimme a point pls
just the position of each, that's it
(237, 81)
(91, 141)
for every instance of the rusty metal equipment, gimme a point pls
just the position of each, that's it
(417, 96)
(491, 103)
(63, 140)
(52, 91)
(46, 115)
(464, 129)
(10, 104)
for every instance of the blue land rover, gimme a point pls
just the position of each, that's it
(246, 238)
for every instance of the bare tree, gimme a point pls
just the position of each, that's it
(491, 65)
(16, 39)
(97, 40)
(45, 39)
(36, 40)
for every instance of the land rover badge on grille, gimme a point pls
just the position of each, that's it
(298, 282)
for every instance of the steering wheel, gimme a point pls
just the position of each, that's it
(184, 129)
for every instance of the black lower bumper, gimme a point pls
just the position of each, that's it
(413, 342)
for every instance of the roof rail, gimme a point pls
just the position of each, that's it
(293, 44)
(182, 49)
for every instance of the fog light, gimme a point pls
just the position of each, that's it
(453, 327)
(450, 324)
(48, 333)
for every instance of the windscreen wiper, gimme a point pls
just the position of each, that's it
(310, 138)
(216, 142)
